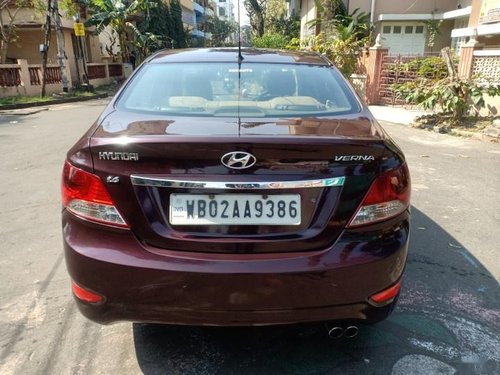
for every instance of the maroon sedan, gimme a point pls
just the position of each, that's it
(220, 188)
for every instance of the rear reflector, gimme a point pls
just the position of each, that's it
(84, 294)
(84, 195)
(388, 196)
(387, 294)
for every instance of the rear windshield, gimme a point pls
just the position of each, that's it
(251, 90)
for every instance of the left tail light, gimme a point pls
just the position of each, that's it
(84, 195)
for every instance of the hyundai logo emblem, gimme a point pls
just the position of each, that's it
(238, 160)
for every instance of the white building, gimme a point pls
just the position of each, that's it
(225, 10)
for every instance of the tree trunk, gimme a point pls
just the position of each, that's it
(46, 42)
(61, 53)
(446, 54)
(122, 37)
(3, 51)
(260, 24)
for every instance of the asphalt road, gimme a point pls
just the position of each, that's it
(447, 321)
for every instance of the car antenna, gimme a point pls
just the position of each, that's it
(240, 56)
(240, 60)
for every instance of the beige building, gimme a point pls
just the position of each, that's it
(483, 24)
(406, 25)
(30, 35)
(22, 72)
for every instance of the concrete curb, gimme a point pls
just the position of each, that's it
(396, 115)
(55, 101)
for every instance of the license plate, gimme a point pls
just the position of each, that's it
(235, 209)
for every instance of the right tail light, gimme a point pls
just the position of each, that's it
(388, 196)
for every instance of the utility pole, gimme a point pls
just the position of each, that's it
(44, 48)
(80, 37)
(61, 55)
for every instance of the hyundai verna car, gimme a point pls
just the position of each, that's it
(220, 188)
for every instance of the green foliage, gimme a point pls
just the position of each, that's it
(179, 34)
(289, 27)
(270, 40)
(116, 14)
(159, 23)
(296, 44)
(145, 43)
(159, 29)
(331, 13)
(342, 37)
(450, 95)
(446, 96)
(280, 33)
(274, 9)
(432, 31)
(328, 11)
(359, 21)
(427, 67)
(256, 10)
(342, 46)
(221, 30)
(69, 7)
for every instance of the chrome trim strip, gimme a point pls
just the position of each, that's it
(175, 183)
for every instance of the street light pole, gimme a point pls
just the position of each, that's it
(61, 54)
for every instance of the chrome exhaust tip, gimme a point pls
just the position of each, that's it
(335, 332)
(351, 331)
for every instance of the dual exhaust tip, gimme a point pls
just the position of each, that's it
(336, 332)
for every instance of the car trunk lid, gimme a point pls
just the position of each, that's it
(325, 166)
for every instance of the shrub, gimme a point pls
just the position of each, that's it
(270, 40)
(446, 96)
(428, 67)
(342, 48)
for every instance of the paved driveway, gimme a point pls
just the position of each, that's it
(447, 321)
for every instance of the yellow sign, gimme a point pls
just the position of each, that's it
(490, 11)
(79, 29)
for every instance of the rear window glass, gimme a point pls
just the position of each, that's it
(224, 89)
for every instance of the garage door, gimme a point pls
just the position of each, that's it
(404, 39)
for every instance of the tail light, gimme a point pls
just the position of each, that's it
(85, 195)
(389, 195)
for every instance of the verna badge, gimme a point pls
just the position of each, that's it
(238, 160)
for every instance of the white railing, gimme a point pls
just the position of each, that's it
(486, 66)
(487, 52)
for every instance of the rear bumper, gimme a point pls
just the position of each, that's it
(154, 285)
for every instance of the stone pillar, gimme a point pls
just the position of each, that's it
(26, 88)
(467, 58)
(466, 61)
(106, 69)
(373, 70)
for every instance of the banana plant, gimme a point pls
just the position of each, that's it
(119, 15)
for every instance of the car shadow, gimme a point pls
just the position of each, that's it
(447, 321)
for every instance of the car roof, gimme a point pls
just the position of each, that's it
(231, 55)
